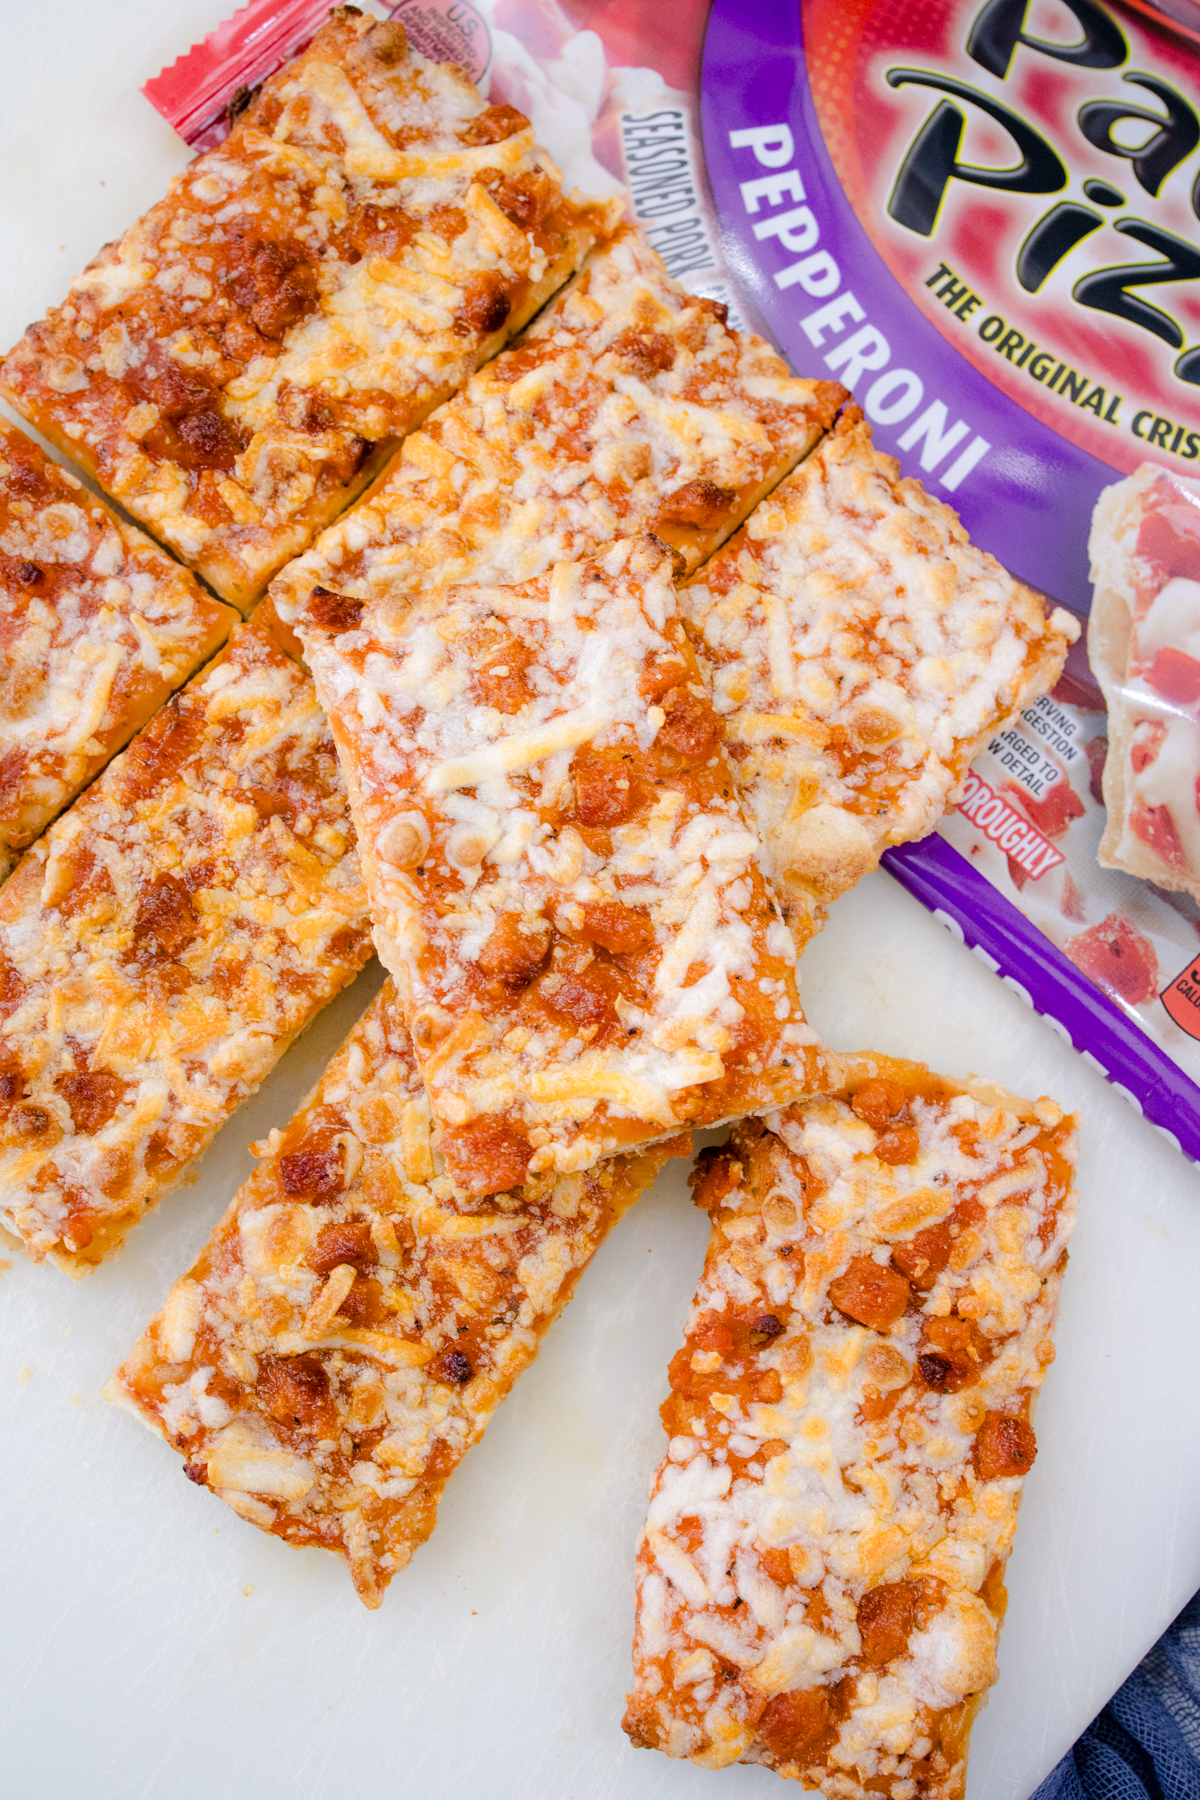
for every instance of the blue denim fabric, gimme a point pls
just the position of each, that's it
(1145, 1745)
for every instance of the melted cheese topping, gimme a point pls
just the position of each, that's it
(97, 628)
(561, 877)
(163, 943)
(349, 1329)
(628, 406)
(821, 1575)
(367, 233)
(861, 651)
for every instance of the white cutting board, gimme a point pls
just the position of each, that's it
(152, 1643)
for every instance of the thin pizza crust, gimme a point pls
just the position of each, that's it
(242, 362)
(861, 651)
(350, 1328)
(561, 878)
(97, 628)
(163, 943)
(821, 1578)
(1153, 760)
(628, 406)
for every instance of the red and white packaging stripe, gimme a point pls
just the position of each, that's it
(195, 92)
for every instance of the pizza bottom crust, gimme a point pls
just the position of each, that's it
(821, 1577)
(575, 989)
(99, 629)
(533, 494)
(241, 578)
(843, 738)
(163, 944)
(350, 1327)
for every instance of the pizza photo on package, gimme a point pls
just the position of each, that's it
(1144, 629)
(1088, 811)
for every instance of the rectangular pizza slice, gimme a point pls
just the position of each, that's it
(163, 943)
(349, 1329)
(821, 1577)
(97, 628)
(236, 367)
(628, 406)
(862, 651)
(1144, 647)
(560, 874)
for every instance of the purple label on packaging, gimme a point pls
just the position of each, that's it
(970, 907)
(838, 312)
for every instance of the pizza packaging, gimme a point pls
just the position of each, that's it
(201, 92)
(982, 218)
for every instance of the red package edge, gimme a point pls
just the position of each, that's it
(194, 93)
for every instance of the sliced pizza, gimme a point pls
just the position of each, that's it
(97, 628)
(350, 1328)
(821, 1577)
(861, 651)
(163, 943)
(628, 406)
(238, 365)
(1144, 648)
(561, 877)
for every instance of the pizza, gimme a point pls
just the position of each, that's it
(350, 1328)
(862, 651)
(561, 877)
(97, 628)
(163, 943)
(821, 1576)
(1144, 647)
(627, 406)
(238, 365)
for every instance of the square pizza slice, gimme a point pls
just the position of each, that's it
(237, 366)
(561, 876)
(862, 651)
(628, 406)
(350, 1328)
(163, 943)
(97, 628)
(1144, 647)
(821, 1577)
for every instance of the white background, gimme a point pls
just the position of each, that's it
(152, 1643)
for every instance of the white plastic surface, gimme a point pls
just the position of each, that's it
(153, 1644)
